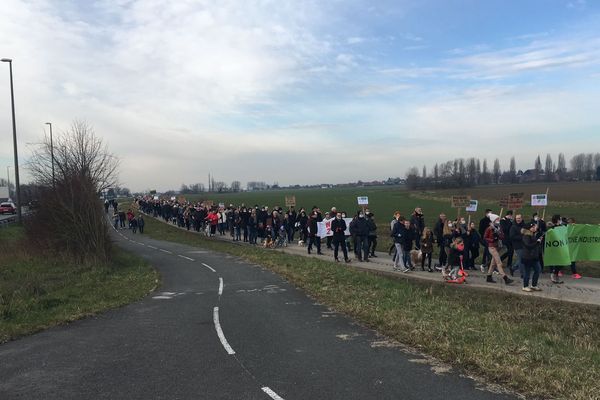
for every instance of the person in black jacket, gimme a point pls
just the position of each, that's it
(417, 223)
(438, 233)
(529, 254)
(505, 225)
(398, 232)
(313, 234)
(338, 227)
(372, 234)
(408, 236)
(359, 227)
(484, 223)
(516, 239)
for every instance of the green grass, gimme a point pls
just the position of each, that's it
(538, 347)
(38, 291)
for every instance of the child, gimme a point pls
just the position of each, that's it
(141, 223)
(455, 256)
(426, 249)
(407, 244)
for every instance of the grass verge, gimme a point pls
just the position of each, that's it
(38, 291)
(543, 348)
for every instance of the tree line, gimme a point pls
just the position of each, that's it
(462, 172)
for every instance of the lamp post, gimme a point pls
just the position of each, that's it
(51, 153)
(14, 124)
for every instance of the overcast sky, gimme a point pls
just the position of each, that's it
(303, 91)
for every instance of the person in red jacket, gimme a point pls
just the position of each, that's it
(493, 237)
(213, 220)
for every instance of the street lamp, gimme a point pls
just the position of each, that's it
(14, 124)
(51, 153)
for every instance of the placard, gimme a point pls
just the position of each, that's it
(221, 205)
(173, 197)
(461, 201)
(290, 201)
(363, 200)
(515, 201)
(539, 200)
(503, 202)
(472, 207)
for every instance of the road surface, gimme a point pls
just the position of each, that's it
(220, 328)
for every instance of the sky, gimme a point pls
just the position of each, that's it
(302, 92)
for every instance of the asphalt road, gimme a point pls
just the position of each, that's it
(220, 328)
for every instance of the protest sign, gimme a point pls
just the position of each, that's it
(172, 197)
(565, 244)
(290, 201)
(324, 227)
(221, 205)
(472, 207)
(539, 200)
(461, 201)
(155, 197)
(363, 200)
(515, 201)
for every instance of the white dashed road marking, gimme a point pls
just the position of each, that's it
(209, 267)
(220, 332)
(152, 247)
(187, 258)
(220, 286)
(271, 393)
(165, 251)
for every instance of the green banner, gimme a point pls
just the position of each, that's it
(565, 244)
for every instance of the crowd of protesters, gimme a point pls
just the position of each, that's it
(506, 244)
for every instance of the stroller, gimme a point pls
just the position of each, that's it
(456, 274)
(281, 237)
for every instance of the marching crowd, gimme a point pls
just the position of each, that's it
(506, 243)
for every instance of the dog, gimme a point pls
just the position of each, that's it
(415, 257)
(300, 242)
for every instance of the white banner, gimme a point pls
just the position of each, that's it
(539, 200)
(324, 228)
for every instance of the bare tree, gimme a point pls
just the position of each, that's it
(513, 170)
(549, 169)
(73, 219)
(497, 171)
(236, 186)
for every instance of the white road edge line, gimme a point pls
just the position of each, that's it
(187, 258)
(165, 251)
(209, 267)
(271, 393)
(152, 247)
(220, 286)
(220, 332)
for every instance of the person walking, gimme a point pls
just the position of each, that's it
(417, 223)
(426, 249)
(493, 236)
(438, 233)
(516, 239)
(338, 227)
(141, 223)
(372, 234)
(529, 254)
(359, 227)
(398, 233)
(313, 233)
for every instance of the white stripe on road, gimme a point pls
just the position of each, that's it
(220, 332)
(220, 286)
(209, 267)
(152, 247)
(187, 258)
(271, 393)
(165, 251)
